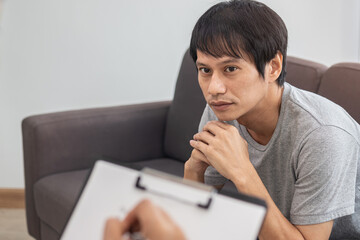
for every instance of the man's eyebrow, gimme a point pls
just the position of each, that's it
(231, 60)
(227, 61)
(200, 63)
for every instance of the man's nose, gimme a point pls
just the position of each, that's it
(216, 85)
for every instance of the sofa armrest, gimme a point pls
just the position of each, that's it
(73, 140)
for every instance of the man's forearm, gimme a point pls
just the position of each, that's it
(275, 225)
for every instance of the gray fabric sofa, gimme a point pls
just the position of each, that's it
(60, 148)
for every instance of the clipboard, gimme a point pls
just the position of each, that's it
(113, 190)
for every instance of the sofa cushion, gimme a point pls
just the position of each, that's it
(341, 84)
(304, 74)
(165, 165)
(185, 112)
(56, 195)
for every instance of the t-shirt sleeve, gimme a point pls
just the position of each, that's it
(212, 177)
(325, 177)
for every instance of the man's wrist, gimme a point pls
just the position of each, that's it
(239, 182)
(194, 173)
(193, 166)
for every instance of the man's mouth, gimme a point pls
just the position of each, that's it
(220, 105)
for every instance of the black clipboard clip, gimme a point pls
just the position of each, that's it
(174, 187)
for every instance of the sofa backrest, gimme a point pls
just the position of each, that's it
(341, 84)
(188, 103)
(304, 74)
(185, 112)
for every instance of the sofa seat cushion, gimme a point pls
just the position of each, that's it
(56, 195)
(165, 165)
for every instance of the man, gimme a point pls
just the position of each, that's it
(295, 149)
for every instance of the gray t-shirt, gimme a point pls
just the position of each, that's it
(310, 166)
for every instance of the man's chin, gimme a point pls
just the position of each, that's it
(225, 115)
(224, 118)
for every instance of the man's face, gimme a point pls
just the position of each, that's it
(232, 87)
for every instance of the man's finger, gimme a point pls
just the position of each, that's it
(215, 127)
(204, 136)
(223, 125)
(196, 154)
(199, 145)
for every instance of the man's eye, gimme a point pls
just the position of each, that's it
(230, 69)
(204, 70)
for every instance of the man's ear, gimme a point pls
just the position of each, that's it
(275, 67)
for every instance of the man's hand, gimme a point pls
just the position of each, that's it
(223, 148)
(151, 221)
(196, 166)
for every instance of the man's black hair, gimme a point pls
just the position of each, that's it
(241, 27)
